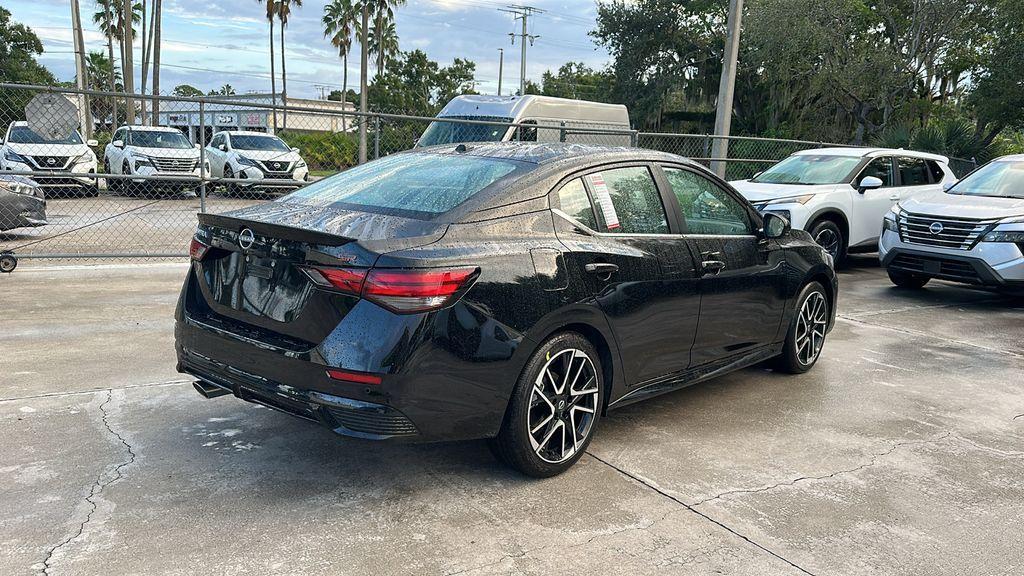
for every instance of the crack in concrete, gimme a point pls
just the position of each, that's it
(97, 486)
(1018, 416)
(874, 460)
(921, 334)
(643, 482)
(94, 390)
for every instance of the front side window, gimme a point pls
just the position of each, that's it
(573, 200)
(628, 201)
(913, 171)
(418, 183)
(810, 169)
(25, 135)
(268, 143)
(441, 132)
(217, 140)
(880, 168)
(707, 208)
(999, 179)
(154, 139)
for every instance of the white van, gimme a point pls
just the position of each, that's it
(557, 120)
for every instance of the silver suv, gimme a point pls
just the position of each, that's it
(973, 232)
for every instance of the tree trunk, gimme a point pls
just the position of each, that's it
(363, 62)
(145, 62)
(157, 17)
(128, 63)
(344, 91)
(284, 81)
(111, 82)
(273, 78)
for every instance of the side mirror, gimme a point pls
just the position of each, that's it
(756, 174)
(94, 143)
(869, 183)
(947, 185)
(775, 226)
(198, 145)
(222, 147)
(415, 142)
(296, 150)
(117, 143)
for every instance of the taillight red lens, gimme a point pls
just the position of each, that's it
(197, 250)
(356, 377)
(400, 290)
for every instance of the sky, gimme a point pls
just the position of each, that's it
(211, 42)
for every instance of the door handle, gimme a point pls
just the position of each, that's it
(711, 263)
(601, 268)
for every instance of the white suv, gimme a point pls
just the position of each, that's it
(972, 233)
(264, 159)
(152, 151)
(840, 195)
(65, 162)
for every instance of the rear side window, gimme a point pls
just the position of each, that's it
(913, 171)
(574, 201)
(628, 201)
(880, 168)
(936, 170)
(427, 184)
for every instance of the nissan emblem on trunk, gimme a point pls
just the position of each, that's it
(246, 238)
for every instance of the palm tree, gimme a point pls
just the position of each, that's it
(341, 19)
(102, 74)
(284, 10)
(377, 7)
(158, 6)
(271, 14)
(108, 17)
(383, 41)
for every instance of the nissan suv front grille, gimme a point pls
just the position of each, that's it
(942, 232)
(175, 164)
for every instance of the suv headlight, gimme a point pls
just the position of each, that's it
(12, 156)
(300, 164)
(247, 162)
(85, 158)
(802, 199)
(141, 160)
(23, 188)
(889, 222)
(1016, 236)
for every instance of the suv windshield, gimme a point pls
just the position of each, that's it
(154, 139)
(453, 132)
(420, 183)
(810, 169)
(999, 179)
(25, 135)
(246, 142)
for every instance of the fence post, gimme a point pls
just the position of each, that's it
(376, 137)
(634, 138)
(707, 146)
(561, 131)
(202, 156)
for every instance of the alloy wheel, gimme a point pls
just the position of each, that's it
(810, 328)
(563, 405)
(829, 240)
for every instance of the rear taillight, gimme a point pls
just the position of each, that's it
(197, 250)
(403, 290)
(354, 377)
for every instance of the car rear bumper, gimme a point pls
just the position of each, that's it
(987, 264)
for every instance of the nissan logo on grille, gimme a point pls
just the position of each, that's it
(935, 228)
(277, 165)
(246, 238)
(51, 161)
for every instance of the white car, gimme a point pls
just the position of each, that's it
(152, 151)
(264, 159)
(972, 233)
(59, 165)
(840, 195)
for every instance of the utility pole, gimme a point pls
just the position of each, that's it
(726, 88)
(501, 67)
(522, 13)
(128, 61)
(81, 71)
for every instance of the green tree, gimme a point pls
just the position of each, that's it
(187, 91)
(284, 12)
(578, 81)
(19, 47)
(383, 41)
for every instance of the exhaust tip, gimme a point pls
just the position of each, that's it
(207, 390)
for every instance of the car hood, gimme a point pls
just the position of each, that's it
(48, 149)
(166, 152)
(269, 155)
(963, 206)
(759, 192)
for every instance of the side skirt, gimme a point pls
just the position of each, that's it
(696, 375)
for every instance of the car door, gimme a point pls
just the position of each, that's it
(914, 177)
(639, 270)
(868, 207)
(113, 153)
(216, 156)
(742, 277)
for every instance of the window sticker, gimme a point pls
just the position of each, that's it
(604, 200)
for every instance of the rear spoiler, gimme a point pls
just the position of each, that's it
(280, 231)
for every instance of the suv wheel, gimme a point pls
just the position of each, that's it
(828, 235)
(554, 409)
(113, 184)
(906, 280)
(127, 186)
(806, 334)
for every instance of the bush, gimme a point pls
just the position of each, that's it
(324, 151)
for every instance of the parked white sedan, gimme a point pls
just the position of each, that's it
(265, 160)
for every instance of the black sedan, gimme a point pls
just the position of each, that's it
(22, 203)
(514, 292)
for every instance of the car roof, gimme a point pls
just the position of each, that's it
(246, 133)
(1010, 158)
(141, 128)
(551, 153)
(871, 153)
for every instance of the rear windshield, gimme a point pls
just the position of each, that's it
(413, 184)
(455, 132)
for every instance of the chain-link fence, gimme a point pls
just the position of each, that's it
(130, 183)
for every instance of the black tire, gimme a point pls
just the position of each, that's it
(230, 188)
(533, 437)
(127, 186)
(8, 262)
(113, 184)
(906, 280)
(796, 358)
(828, 235)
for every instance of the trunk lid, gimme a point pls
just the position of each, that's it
(253, 274)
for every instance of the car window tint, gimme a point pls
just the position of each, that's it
(628, 201)
(913, 171)
(880, 168)
(935, 170)
(574, 201)
(706, 208)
